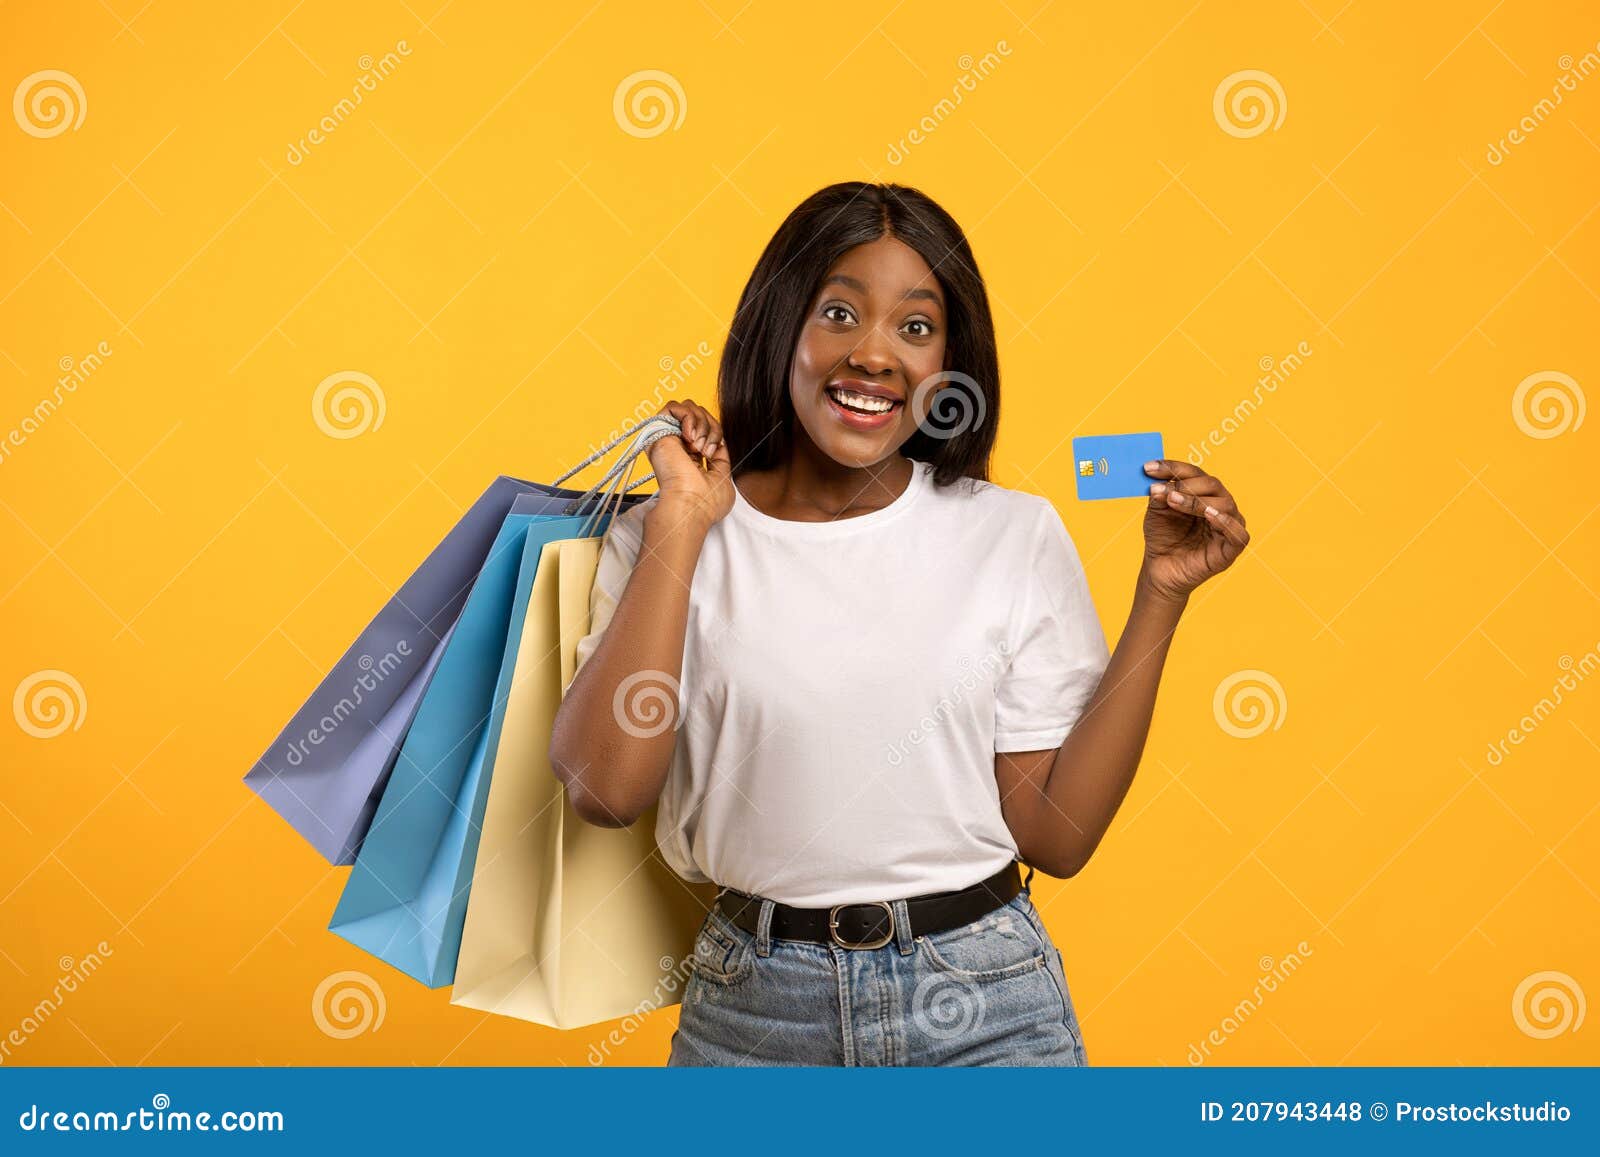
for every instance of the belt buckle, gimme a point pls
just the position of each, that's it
(833, 924)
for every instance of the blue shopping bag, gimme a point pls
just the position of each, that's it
(406, 899)
(328, 768)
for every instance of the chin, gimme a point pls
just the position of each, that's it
(857, 451)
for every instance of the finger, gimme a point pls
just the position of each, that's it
(713, 435)
(1231, 527)
(674, 411)
(687, 415)
(713, 432)
(1191, 504)
(694, 427)
(1197, 484)
(1172, 468)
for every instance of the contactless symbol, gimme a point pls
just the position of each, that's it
(1105, 466)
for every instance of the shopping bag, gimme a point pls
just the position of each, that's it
(326, 770)
(406, 896)
(568, 924)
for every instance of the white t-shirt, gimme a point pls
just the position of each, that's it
(846, 685)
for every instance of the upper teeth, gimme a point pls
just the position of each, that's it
(863, 401)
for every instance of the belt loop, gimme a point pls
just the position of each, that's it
(764, 928)
(902, 926)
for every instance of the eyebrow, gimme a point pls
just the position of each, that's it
(851, 282)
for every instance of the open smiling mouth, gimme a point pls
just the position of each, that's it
(865, 405)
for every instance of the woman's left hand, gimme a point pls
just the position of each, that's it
(1193, 529)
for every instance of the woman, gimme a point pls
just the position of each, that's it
(888, 679)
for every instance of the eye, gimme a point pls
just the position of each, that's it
(927, 327)
(828, 310)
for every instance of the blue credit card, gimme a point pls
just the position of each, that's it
(1112, 465)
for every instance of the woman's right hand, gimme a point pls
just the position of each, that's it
(688, 491)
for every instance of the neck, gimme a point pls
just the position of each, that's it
(810, 486)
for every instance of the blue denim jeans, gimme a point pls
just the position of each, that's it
(991, 992)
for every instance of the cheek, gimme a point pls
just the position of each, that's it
(814, 358)
(925, 361)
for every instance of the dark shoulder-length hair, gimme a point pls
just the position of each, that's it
(758, 421)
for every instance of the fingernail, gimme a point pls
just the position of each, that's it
(1158, 489)
(1211, 510)
(1151, 465)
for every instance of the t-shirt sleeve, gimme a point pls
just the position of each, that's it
(618, 552)
(1058, 648)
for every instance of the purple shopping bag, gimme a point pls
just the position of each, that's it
(326, 770)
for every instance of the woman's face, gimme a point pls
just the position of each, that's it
(874, 333)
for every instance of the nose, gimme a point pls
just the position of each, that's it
(873, 354)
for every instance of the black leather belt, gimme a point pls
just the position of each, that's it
(871, 924)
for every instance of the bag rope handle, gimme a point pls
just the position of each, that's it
(644, 435)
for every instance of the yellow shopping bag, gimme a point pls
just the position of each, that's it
(568, 924)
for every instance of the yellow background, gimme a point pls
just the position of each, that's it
(514, 270)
